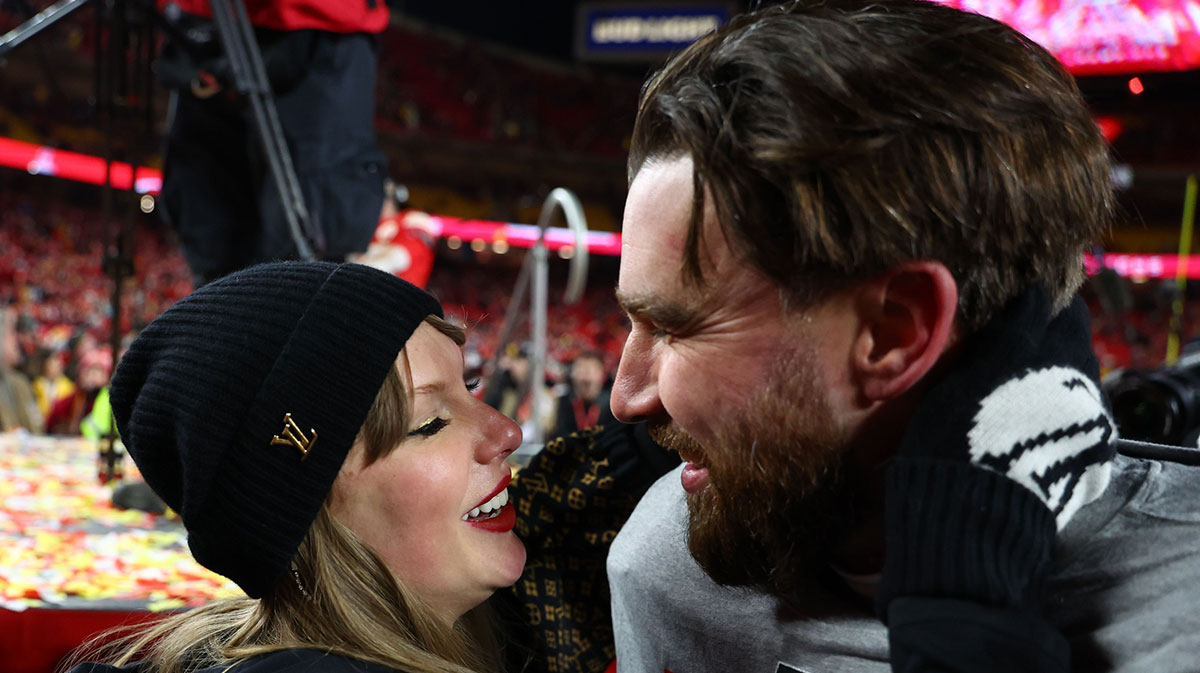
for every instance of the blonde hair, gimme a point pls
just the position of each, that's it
(351, 604)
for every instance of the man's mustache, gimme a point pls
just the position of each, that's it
(670, 436)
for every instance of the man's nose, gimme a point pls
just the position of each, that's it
(635, 390)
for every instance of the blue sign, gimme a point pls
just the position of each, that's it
(643, 32)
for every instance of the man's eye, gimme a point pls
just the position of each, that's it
(661, 334)
(430, 427)
(473, 384)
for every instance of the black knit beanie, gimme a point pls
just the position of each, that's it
(240, 402)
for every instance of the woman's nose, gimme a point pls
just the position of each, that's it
(502, 436)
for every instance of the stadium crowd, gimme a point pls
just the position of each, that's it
(52, 277)
(51, 257)
(434, 84)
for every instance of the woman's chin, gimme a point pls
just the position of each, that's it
(507, 569)
(514, 562)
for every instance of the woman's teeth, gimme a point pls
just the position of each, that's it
(489, 509)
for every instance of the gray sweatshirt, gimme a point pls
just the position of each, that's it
(1125, 591)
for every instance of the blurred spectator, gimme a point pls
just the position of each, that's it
(72, 414)
(18, 404)
(80, 344)
(585, 402)
(27, 344)
(52, 383)
(99, 422)
(508, 397)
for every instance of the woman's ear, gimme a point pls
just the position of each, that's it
(906, 323)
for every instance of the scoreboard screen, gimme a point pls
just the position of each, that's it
(1105, 37)
(643, 32)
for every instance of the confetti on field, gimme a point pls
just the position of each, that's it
(63, 543)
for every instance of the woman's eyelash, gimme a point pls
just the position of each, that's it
(436, 424)
(430, 427)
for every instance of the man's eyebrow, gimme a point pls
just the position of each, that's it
(661, 312)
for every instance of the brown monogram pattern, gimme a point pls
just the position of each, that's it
(571, 501)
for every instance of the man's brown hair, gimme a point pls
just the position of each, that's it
(839, 139)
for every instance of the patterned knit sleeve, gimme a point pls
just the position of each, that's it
(571, 501)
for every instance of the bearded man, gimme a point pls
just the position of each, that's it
(852, 242)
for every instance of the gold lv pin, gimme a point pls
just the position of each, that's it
(294, 436)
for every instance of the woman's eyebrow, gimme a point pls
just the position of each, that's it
(429, 388)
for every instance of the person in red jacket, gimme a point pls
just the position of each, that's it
(335, 16)
(403, 240)
(320, 58)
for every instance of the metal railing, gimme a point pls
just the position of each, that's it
(536, 272)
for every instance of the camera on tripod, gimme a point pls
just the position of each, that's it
(1159, 405)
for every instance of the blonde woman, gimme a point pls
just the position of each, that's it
(310, 424)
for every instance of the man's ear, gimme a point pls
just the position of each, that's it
(906, 322)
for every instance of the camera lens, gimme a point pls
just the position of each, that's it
(1161, 406)
(1144, 412)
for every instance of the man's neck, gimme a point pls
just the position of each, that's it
(861, 550)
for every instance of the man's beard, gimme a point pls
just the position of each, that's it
(776, 503)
